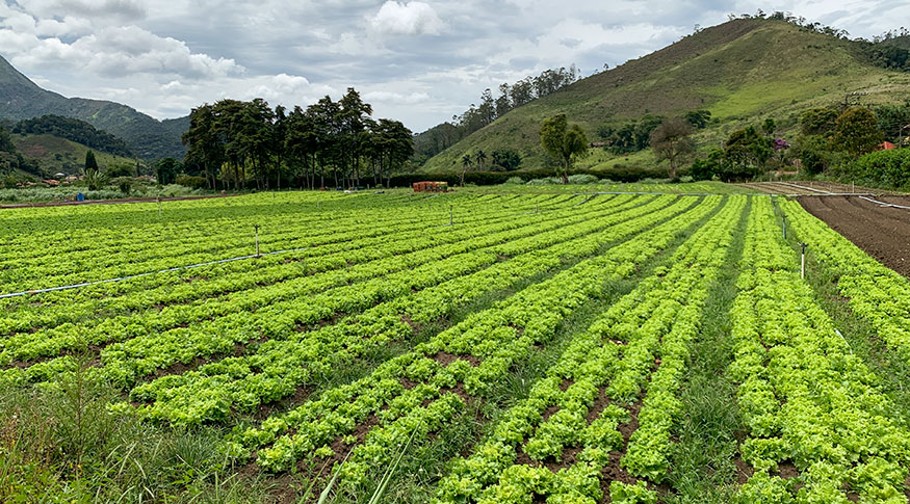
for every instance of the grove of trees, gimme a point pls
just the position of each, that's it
(239, 144)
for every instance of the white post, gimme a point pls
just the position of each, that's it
(803, 260)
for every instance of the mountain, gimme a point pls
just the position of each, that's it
(147, 137)
(742, 71)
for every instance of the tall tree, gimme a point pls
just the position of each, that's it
(672, 141)
(205, 147)
(563, 141)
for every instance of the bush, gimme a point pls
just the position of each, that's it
(889, 168)
(515, 180)
(583, 178)
(192, 181)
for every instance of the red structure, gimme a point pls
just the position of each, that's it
(431, 186)
(886, 146)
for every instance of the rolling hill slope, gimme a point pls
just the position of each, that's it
(149, 138)
(741, 71)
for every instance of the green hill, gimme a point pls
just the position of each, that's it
(742, 71)
(58, 155)
(147, 137)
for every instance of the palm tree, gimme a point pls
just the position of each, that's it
(465, 164)
(481, 157)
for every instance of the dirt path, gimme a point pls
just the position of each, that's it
(883, 232)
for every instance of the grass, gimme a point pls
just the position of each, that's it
(62, 443)
(702, 459)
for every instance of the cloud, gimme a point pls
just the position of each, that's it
(411, 18)
(97, 10)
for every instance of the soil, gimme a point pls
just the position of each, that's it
(798, 187)
(882, 232)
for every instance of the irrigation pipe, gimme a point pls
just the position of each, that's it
(883, 203)
(140, 275)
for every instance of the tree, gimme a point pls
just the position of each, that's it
(672, 141)
(93, 176)
(563, 141)
(91, 164)
(466, 162)
(166, 171)
(481, 157)
(856, 131)
(6, 142)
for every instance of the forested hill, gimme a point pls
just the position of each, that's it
(75, 130)
(741, 72)
(146, 137)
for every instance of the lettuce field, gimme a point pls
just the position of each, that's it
(473, 347)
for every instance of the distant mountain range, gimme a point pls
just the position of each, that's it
(147, 137)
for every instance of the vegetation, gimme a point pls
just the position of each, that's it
(236, 144)
(563, 141)
(516, 347)
(75, 130)
(443, 136)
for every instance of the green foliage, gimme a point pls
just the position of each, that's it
(75, 130)
(6, 143)
(563, 141)
(506, 159)
(818, 121)
(856, 131)
(91, 164)
(124, 184)
(887, 168)
(813, 152)
(633, 136)
(166, 171)
(698, 118)
(192, 181)
(121, 170)
(893, 121)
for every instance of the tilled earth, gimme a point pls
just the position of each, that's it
(883, 232)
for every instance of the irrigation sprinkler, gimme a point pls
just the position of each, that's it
(802, 271)
(256, 226)
(451, 214)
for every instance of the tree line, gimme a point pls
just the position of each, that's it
(490, 108)
(237, 144)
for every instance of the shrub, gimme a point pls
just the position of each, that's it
(583, 178)
(192, 181)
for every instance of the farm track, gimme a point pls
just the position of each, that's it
(883, 232)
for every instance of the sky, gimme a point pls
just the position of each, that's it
(419, 62)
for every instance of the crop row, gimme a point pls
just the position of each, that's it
(249, 291)
(819, 427)
(420, 391)
(206, 282)
(149, 251)
(568, 427)
(151, 347)
(279, 367)
(876, 293)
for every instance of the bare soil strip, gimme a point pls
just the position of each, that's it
(882, 232)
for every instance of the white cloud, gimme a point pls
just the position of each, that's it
(411, 18)
(396, 98)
